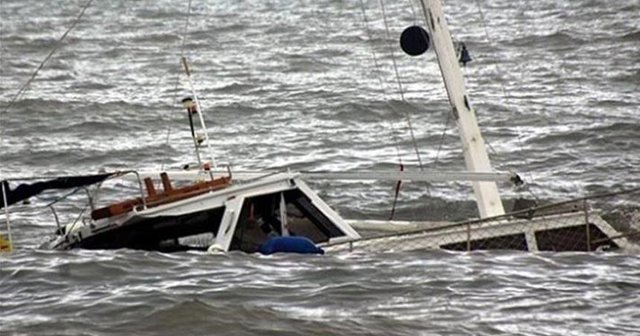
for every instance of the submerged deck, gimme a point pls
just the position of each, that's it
(565, 226)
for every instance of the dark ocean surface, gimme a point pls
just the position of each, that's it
(293, 84)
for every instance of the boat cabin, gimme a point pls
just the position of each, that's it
(223, 217)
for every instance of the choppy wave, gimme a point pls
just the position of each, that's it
(291, 84)
(482, 293)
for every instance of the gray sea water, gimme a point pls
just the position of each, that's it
(294, 84)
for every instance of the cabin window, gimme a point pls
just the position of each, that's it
(260, 219)
(189, 232)
(165, 233)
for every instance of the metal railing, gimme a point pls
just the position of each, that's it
(599, 222)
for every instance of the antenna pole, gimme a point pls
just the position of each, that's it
(202, 124)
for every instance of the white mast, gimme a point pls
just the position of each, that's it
(475, 153)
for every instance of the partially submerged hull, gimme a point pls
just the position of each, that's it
(577, 225)
(559, 233)
(219, 215)
(246, 216)
(236, 217)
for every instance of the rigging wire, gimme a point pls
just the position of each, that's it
(380, 82)
(384, 92)
(394, 131)
(1, 64)
(489, 40)
(24, 87)
(444, 133)
(401, 91)
(505, 97)
(447, 115)
(174, 99)
(2, 187)
(413, 12)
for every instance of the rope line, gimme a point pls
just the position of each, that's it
(401, 91)
(174, 99)
(24, 87)
(444, 133)
(1, 64)
(505, 97)
(504, 91)
(394, 131)
(380, 82)
(395, 110)
(413, 12)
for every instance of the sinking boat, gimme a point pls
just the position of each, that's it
(216, 215)
(222, 212)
